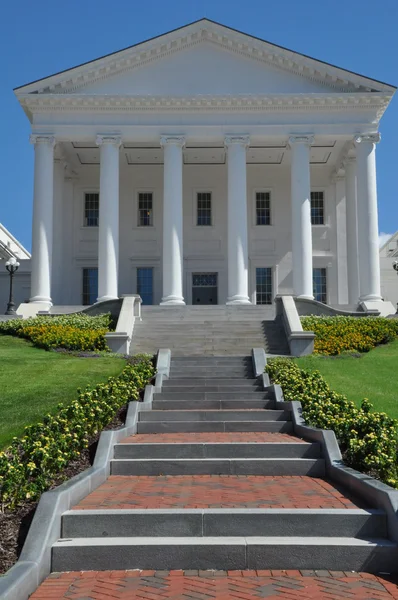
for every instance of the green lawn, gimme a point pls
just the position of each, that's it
(34, 381)
(372, 376)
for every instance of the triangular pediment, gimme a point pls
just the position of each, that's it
(204, 58)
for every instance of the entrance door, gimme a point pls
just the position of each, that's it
(204, 288)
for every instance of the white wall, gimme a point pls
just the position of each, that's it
(21, 284)
(205, 248)
(389, 279)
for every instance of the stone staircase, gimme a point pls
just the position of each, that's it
(215, 480)
(209, 330)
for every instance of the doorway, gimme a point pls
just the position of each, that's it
(204, 288)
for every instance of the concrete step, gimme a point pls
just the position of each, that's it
(208, 372)
(230, 394)
(355, 523)
(210, 361)
(212, 404)
(199, 389)
(222, 426)
(224, 553)
(203, 382)
(313, 467)
(213, 415)
(218, 450)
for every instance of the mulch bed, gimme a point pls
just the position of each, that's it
(14, 525)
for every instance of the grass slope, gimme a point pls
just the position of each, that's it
(373, 375)
(34, 381)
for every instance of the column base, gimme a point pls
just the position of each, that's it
(234, 300)
(46, 302)
(370, 298)
(172, 301)
(304, 297)
(106, 298)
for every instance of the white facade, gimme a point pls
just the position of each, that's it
(205, 116)
(388, 275)
(11, 247)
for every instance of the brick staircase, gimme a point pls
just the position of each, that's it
(215, 480)
(209, 330)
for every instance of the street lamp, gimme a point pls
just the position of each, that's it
(12, 267)
(395, 267)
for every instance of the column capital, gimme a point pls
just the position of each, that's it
(338, 175)
(113, 140)
(40, 138)
(350, 160)
(304, 138)
(241, 140)
(367, 138)
(173, 140)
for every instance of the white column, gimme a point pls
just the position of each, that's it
(350, 164)
(42, 230)
(301, 215)
(108, 231)
(341, 238)
(57, 267)
(368, 228)
(172, 220)
(238, 280)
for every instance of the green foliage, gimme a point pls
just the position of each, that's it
(73, 332)
(338, 334)
(30, 464)
(368, 440)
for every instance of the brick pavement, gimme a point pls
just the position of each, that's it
(215, 491)
(211, 437)
(215, 585)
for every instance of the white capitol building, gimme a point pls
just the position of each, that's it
(205, 166)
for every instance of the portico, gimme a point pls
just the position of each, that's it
(231, 186)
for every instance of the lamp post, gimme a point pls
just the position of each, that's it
(12, 267)
(395, 267)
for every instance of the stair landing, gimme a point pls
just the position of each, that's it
(216, 585)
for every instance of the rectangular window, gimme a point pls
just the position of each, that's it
(203, 200)
(263, 208)
(317, 208)
(264, 285)
(145, 209)
(91, 209)
(319, 285)
(90, 285)
(145, 284)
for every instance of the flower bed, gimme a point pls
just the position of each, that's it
(73, 332)
(368, 440)
(30, 464)
(334, 335)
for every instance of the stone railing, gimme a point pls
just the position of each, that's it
(300, 342)
(119, 341)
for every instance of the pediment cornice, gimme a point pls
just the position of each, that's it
(78, 78)
(37, 103)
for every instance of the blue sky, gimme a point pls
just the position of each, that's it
(46, 36)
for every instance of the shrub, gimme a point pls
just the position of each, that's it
(368, 440)
(335, 335)
(73, 332)
(30, 464)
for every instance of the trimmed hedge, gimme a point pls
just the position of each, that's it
(72, 332)
(334, 335)
(368, 440)
(30, 464)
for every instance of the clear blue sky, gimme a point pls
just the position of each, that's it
(43, 37)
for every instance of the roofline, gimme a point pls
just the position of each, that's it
(388, 241)
(4, 228)
(194, 23)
